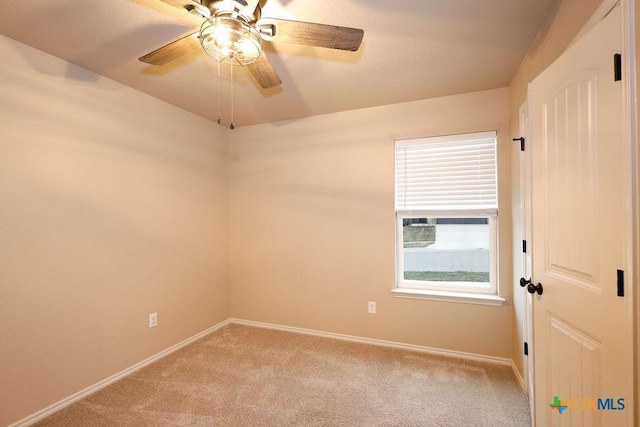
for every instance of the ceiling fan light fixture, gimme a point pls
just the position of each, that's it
(230, 40)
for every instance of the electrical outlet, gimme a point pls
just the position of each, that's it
(153, 320)
(372, 307)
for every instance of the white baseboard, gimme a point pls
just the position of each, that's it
(102, 384)
(514, 368)
(422, 349)
(392, 344)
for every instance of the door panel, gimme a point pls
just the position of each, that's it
(575, 369)
(569, 132)
(579, 178)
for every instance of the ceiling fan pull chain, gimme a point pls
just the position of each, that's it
(219, 120)
(232, 126)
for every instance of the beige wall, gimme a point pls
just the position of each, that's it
(312, 224)
(113, 206)
(560, 28)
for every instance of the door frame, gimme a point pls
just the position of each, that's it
(630, 120)
(525, 257)
(630, 135)
(632, 223)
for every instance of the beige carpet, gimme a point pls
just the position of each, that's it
(245, 376)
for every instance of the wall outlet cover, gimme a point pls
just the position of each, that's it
(371, 307)
(153, 320)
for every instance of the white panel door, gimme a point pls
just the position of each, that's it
(579, 186)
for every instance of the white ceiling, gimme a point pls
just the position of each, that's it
(412, 49)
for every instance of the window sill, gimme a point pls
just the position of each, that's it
(458, 297)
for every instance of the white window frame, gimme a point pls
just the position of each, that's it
(468, 292)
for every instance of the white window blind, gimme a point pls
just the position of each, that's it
(447, 173)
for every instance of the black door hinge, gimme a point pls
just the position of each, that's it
(620, 283)
(521, 139)
(524, 246)
(526, 348)
(617, 67)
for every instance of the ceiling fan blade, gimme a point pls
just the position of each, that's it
(264, 72)
(173, 50)
(310, 34)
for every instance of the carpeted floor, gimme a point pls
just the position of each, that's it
(245, 376)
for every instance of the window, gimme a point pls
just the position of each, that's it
(446, 215)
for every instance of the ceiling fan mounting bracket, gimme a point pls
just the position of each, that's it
(266, 30)
(237, 7)
(198, 10)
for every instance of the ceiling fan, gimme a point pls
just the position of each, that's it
(233, 30)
